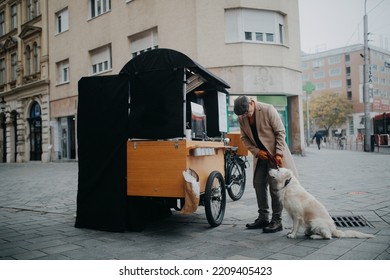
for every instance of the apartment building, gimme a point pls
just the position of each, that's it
(342, 71)
(253, 45)
(24, 81)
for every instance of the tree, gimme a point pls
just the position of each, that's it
(330, 109)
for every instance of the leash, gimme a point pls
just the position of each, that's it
(272, 161)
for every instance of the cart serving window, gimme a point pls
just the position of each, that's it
(163, 84)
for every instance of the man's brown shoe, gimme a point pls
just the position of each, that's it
(257, 224)
(273, 227)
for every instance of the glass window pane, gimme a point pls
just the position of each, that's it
(248, 36)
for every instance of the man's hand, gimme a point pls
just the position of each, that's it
(279, 160)
(262, 155)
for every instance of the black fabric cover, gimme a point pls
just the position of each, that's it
(156, 105)
(101, 128)
(167, 59)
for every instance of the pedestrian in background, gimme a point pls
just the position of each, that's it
(263, 133)
(318, 137)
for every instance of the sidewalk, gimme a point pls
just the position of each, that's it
(38, 206)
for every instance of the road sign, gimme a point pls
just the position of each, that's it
(309, 87)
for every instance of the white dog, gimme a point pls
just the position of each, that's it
(305, 210)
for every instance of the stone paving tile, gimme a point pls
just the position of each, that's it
(37, 217)
(60, 248)
(370, 247)
(321, 256)
(30, 255)
(44, 244)
(358, 255)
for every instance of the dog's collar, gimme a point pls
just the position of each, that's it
(287, 182)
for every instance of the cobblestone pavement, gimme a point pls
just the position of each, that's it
(38, 206)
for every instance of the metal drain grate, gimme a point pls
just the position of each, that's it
(351, 221)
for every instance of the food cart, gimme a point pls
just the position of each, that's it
(170, 131)
(176, 109)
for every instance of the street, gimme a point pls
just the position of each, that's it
(38, 206)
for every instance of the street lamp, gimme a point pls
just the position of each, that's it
(308, 88)
(366, 98)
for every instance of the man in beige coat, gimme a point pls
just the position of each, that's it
(263, 133)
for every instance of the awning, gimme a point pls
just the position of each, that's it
(165, 59)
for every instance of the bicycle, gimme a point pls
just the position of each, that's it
(235, 175)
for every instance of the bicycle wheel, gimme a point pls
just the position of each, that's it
(215, 198)
(236, 179)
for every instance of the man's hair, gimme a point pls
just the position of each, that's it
(241, 105)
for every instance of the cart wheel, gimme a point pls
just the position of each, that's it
(215, 198)
(236, 179)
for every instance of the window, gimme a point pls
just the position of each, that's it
(335, 84)
(2, 24)
(305, 65)
(348, 70)
(258, 26)
(318, 63)
(347, 58)
(144, 41)
(101, 60)
(35, 58)
(318, 74)
(351, 125)
(334, 72)
(13, 66)
(28, 61)
(30, 10)
(281, 33)
(334, 59)
(320, 86)
(270, 37)
(2, 71)
(14, 17)
(63, 71)
(349, 95)
(248, 36)
(36, 8)
(62, 21)
(35, 110)
(99, 7)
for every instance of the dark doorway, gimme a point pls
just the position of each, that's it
(35, 132)
(4, 136)
(68, 139)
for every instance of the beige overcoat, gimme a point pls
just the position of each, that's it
(271, 133)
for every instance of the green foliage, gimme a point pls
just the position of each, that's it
(330, 109)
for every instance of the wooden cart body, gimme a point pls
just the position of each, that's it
(154, 168)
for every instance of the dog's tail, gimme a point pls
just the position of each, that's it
(351, 234)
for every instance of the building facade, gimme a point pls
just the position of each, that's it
(24, 81)
(253, 45)
(342, 71)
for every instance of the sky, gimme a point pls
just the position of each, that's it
(330, 24)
